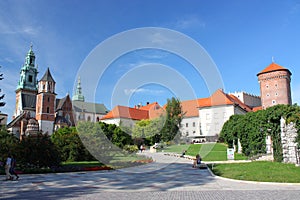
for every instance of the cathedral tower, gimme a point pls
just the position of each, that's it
(45, 103)
(275, 86)
(27, 86)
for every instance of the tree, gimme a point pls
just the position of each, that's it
(37, 151)
(148, 131)
(8, 143)
(253, 127)
(174, 117)
(70, 145)
(1, 96)
(116, 135)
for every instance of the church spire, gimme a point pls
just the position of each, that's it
(78, 93)
(28, 73)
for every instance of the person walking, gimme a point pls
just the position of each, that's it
(12, 167)
(7, 167)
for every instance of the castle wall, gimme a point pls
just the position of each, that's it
(289, 146)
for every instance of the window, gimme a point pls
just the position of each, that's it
(207, 127)
(276, 94)
(217, 127)
(89, 118)
(186, 124)
(48, 99)
(273, 102)
(30, 78)
(207, 116)
(194, 124)
(267, 86)
(268, 94)
(48, 110)
(276, 85)
(216, 115)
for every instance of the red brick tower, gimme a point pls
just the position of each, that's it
(275, 86)
(45, 103)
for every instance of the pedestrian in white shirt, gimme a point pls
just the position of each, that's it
(7, 167)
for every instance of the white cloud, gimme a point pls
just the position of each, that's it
(190, 21)
(143, 90)
(19, 30)
(160, 39)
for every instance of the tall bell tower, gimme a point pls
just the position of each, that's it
(45, 103)
(27, 86)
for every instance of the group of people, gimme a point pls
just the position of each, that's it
(10, 166)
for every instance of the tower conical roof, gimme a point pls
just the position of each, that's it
(273, 67)
(47, 76)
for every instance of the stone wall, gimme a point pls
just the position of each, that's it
(289, 146)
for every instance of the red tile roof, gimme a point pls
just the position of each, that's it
(150, 111)
(257, 108)
(154, 110)
(190, 107)
(126, 112)
(273, 67)
(217, 98)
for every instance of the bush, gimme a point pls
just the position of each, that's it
(131, 148)
(37, 152)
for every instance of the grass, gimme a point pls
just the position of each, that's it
(262, 171)
(208, 151)
(116, 162)
(83, 164)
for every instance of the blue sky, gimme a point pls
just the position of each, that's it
(241, 37)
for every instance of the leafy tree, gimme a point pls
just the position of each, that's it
(70, 145)
(253, 128)
(174, 115)
(97, 138)
(116, 135)
(7, 144)
(149, 131)
(37, 151)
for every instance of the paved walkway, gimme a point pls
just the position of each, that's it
(167, 178)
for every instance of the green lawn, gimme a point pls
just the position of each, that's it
(83, 163)
(208, 151)
(261, 171)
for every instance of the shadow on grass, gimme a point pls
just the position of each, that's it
(215, 171)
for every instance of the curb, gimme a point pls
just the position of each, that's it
(251, 182)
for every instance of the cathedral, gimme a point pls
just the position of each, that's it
(37, 108)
